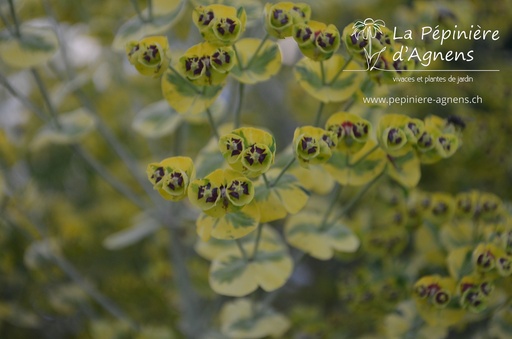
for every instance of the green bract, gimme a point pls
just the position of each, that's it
(219, 24)
(248, 150)
(171, 177)
(150, 56)
(316, 40)
(206, 64)
(280, 17)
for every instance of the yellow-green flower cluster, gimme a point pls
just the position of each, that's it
(476, 205)
(317, 40)
(352, 132)
(171, 177)
(474, 293)
(220, 24)
(433, 139)
(313, 145)
(489, 258)
(207, 64)
(248, 150)
(434, 290)
(221, 192)
(281, 17)
(150, 56)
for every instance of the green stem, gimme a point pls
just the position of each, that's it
(265, 38)
(237, 56)
(283, 171)
(191, 85)
(46, 97)
(102, 127)
(374, 148)
(322, 71)
(350, 103)
(138, 11)
(212, 123)
(109, 178)
(238, 112)
(67, 267)
(117, 185)
(257, 242)
(101, 299)
(242, 249)
(17, 31)
(359, 195)
(334, 200)
(265, 179)
(189, 300)
(319, 113)
(24, 100)
(336, 76)
(4, 20)
(150, 10)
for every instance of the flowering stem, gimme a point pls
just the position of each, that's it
(17, 31)
(319, 113)
(46, 97)
(265, 38)
(191, 85)
(322, 71)
(359, 195)
(150, 10)
(103, 128)
(101, 299)
(67, 267)
(189, 301)
(137, 10)
(238, 111)
(6, 24)
(336, 76)
(257, 242)
(24, 100)
(242, 249)
(267, 183)
(117, 185)
(283, 171)
(334, 200)
(212, 123)
(374, 148)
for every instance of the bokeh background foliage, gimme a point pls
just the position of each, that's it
(68, 239)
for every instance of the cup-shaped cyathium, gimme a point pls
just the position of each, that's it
(220, 24)
(150, 56)
(171, 177)
(282, 16)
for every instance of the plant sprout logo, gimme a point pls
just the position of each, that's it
(368, 30)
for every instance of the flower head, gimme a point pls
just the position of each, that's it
(150, 56)
(171, 177)
(207, 64)
(352, 132)
(220, 24)
(221, 192)
(313, 145)
(280, 17)
(248, 150)
(316, 40)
